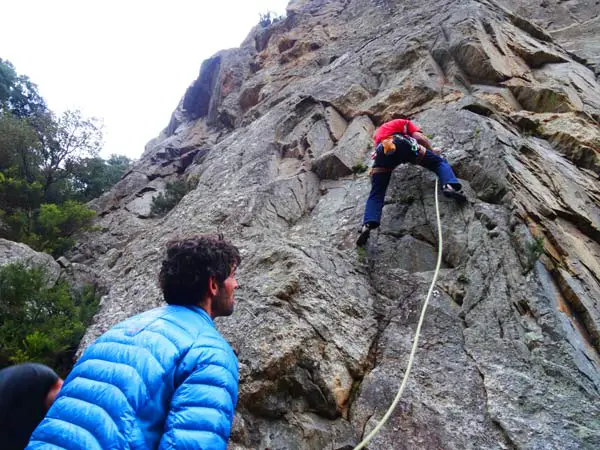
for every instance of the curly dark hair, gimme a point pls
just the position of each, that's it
(189, 264)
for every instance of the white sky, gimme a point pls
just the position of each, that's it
(128, 62)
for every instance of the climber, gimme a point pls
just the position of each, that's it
(397, 142)
(165, 378)
(26, 392)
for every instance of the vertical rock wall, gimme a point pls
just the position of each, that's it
(273, 133)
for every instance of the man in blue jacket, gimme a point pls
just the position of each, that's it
(163, 379)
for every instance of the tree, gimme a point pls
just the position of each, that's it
(64, 143)
(118, 164)
(19, 156)
(94, 176)
(165, 202)
(18, 94)
(41, 321)
(56, 225)
(48, 164)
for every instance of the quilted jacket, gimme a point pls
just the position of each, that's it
(163, 379)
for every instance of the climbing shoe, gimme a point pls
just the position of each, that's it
(457, 194)
(364, 233)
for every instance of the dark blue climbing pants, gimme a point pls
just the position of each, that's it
(403, 154)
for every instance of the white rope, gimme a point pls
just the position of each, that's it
(387, 415)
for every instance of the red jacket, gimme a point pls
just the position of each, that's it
(401, 126)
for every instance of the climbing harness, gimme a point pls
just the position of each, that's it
(389, 147)
(411, 358)
(375, 170)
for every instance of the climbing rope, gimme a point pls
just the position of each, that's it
(387, 415)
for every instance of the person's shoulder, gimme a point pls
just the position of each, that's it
(395, 122)
(175, 324)
(164, 317)
(189, 327)
(211, 341)
(412, 126)
(211, 349)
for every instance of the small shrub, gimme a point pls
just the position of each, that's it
(534, 250)
(166, 201)
(462, 278)
(265, 19)
(361, 255)
(15, 193)
(56, 224)
(46, 227)
(39, 321)
(406, 199)
(269, 18)
(533, 130)
(359, 168)
(192, 182)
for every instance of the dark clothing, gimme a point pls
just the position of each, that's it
(23, 391)
(404, 154)
(379, 184)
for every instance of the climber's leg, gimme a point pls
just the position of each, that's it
(379, 183)
(441, 167)
(374, 206)
(451, 187)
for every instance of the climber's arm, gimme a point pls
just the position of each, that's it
(422, 139)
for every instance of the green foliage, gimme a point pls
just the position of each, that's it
(361, 255)
(403, 198)
(532, 129)
(17, 93)
(56, 224)
(359, 168)
(165, 202)
(64, 142)
(48, 164)
(18, 147)
(40, 321)
(19, 201)
(17, 192)
(45, 227)
(534, 250)
(462, 278)
(94, 176)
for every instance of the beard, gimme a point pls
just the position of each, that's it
(221, 304)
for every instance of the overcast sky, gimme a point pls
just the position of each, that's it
(127, 62)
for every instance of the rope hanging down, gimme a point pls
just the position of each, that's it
(387, 415)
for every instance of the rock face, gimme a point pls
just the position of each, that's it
(273, 131)
(14, 252)
(77, 275)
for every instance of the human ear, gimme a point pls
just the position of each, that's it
(213, 286)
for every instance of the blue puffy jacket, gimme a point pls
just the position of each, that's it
(163, 379)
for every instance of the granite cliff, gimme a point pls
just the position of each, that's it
(271, 135)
